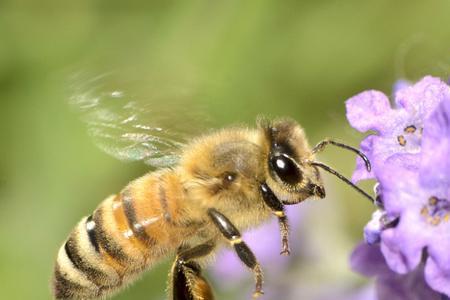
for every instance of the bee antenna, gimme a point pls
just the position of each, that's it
(341, 177)
(320, 146)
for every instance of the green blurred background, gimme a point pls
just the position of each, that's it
(279, 58)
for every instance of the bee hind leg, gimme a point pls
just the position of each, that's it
(187, 282)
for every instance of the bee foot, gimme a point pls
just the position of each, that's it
(257, 293)
(285, 252)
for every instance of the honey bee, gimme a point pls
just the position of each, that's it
(222, 184)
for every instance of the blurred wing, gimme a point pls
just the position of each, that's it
(149, 125)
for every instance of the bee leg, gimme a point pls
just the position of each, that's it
(278, 210)
(231, 233)
(187, 280)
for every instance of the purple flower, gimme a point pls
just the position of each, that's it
(369, 261)
(398, 130)
(423, 212)
(380, 221)
(422, 202)
(413, 225)
(435, 162)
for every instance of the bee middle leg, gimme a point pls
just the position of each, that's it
(232, 234)
(187, 280)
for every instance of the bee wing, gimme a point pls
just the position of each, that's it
(150, 124)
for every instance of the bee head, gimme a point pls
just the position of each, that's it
(287, 153)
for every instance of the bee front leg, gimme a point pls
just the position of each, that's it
(231, 233)
(186, 279)
(278, 210)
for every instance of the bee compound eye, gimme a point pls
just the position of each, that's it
(285, 169)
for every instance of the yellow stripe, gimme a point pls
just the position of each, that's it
(93, 257)
(70, 272)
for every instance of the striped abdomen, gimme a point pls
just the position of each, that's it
(124, 236)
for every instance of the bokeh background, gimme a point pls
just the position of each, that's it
(244, 58)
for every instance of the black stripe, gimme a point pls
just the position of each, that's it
(130, 214)
(64, 288)
(91, 233)
(74, 253)
(69, 254)
(106, 241)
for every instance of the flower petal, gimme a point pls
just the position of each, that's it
(435, 163)
(423, 97)
(436, 278)
(400, 188)
(372, 230)
(408, 161)
(403, 245)
(368, 260)
(361, 172)
(365, 110)
(411, 286)
(438, 247)
(393, 255)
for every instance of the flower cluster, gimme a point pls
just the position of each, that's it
(410, 154)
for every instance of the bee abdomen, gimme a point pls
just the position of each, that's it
(67, 285)
(136, 227)
(124, 236)
(103, 252)
(79, 272)
(92, 272)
